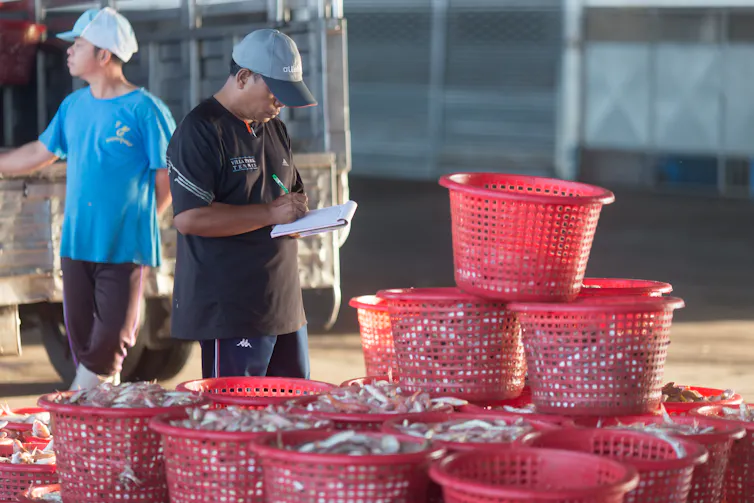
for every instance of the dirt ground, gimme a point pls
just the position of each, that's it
(401, 238)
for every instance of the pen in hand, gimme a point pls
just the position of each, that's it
(280, 184)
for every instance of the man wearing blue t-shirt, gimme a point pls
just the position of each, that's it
(114, 137)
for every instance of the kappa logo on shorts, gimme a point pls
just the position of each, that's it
(244, 344)
(246, 163)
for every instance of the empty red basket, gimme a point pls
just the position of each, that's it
(523, 475)
(449, 342)
(597, 356)
(102, 453)
(254, 392)
(663, 476)
(739, 477)
(595, 287)
(522, 237)
(376, 335)
(295, 477)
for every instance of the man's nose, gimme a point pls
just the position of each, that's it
(69, 51)
(277, 103)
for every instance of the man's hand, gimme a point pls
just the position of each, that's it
(288, 208)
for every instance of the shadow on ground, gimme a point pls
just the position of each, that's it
(703, 246)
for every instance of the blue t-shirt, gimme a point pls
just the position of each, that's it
(113, 148)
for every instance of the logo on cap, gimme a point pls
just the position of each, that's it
(292, 69)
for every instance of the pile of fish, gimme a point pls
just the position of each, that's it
(136, 395)
(668, 430)
(6, 414)
(528, 409)
(234, 419)
(469, 430)
(352, 443)
(53, 497)
(379, 397)
(22, 456)
(38, 429)
(683, 394)
(742, 413)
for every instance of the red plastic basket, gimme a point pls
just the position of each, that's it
(254, 392)
(35, 494)
(351, 421)
(600, 287)
(449, 342)
(707, 482)
(18, 48)
(522, 237)
(294, 477)
(22, 426)
(684, 408)
(216, 466)
(523, 400)
(376, 335)
(597, 356)
(663, 476)
(97, 447)
(739, 477)
(525, 474)
(14, 479)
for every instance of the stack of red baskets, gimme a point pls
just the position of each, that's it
(592, 347)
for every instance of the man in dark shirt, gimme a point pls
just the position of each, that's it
(236, 289)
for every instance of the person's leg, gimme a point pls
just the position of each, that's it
(78, 306)
(290, 358)
(208, 358)
(117, 307)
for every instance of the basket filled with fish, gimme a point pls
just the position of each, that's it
(105, 449)
(23, 419)
(601, 287)
(524, 475)
(528, 412)
(208, 454)
(460, 431)
(449, 342)
(665, 465)
(679, 400)
(344, 467)
(42, 493)
(367, 406)
(739, 477)
(360, 381)
(597, 356)
(26, 466)
(37, 437)
(376, 334)
(715, 435)
(254, 392)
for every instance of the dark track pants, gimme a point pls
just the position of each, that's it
(101, 304)
(284, 355)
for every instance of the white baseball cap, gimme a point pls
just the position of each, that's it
(275, 57)
(107, 29)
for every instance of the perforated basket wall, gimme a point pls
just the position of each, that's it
(448, 342)
(376, 335)
(597, 356)
(521, 237)
(14, 479)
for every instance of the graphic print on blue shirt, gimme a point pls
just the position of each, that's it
(113, 148)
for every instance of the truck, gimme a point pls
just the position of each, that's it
(185, 47)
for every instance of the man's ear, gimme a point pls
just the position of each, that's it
(243, 77)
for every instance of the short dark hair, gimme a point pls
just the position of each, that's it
(234, 68)
(115, 59)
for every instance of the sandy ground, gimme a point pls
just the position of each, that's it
(401, 238)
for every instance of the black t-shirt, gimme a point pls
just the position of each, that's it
(238, 286)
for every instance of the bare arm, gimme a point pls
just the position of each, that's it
(222, 220)
(162, 190)
(27, 159)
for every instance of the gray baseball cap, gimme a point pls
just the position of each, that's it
(275, 57)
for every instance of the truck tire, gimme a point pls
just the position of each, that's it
(163, 364)
(49, 319)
